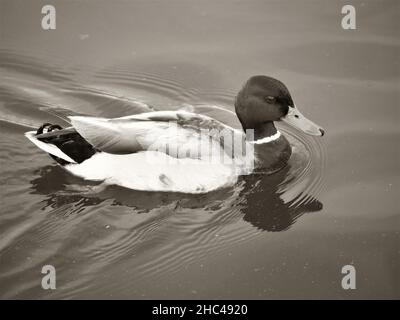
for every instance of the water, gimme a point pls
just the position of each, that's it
(281, 236)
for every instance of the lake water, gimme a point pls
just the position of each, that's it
(286, 235)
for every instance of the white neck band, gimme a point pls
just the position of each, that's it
(267, 139)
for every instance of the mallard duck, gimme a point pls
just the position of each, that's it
(179, 151)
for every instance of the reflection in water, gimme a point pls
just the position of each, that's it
(103, 227)
(61, 188)
(200, 54)
(266, 210)
(259, 198)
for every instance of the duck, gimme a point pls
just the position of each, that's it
(179, 150)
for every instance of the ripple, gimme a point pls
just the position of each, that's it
(307, 167)
(176, 231)
(26, 64)
(148, 234)
(151, 83)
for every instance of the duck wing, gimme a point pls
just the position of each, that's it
(177, 133)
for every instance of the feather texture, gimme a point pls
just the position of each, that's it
(177, 133)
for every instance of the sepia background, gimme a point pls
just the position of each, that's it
(282, 236)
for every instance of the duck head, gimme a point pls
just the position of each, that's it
(263, 100)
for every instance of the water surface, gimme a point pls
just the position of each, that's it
(281, 236)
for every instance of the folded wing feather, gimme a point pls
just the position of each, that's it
(177, 133)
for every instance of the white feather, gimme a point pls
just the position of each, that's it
(274, 137)
(180, 131)
(156, 171)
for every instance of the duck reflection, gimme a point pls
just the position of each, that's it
(265, 209)
(257, 196)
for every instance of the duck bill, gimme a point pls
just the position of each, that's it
(297, 120)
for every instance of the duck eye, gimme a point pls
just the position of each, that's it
(270, 99)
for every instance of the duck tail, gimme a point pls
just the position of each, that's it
(57, 154)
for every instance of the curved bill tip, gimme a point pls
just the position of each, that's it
(300, 122)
